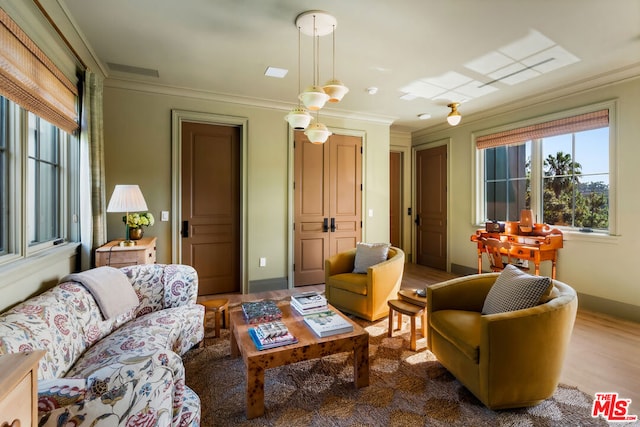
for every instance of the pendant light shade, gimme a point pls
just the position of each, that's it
(314, 98)
(336, 90)
(317, 133)
(454, 116)
(298, 118)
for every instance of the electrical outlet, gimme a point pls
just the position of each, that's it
(263, 262)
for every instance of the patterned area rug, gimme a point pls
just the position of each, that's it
(406, 388)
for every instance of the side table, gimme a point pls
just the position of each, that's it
(19, 388)
(114, 255)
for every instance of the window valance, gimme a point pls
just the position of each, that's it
(579, 123)
(29, 78)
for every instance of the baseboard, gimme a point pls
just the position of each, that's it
(276, 284)
(609, 307)
(463, 270)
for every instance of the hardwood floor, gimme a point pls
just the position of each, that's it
(604, 353)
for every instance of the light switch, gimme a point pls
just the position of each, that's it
(164, 216)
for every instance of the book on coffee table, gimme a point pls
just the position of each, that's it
(261, 311)
(327, 323)
(270, 335)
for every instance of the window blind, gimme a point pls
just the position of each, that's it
(579, 123)
(29, 78)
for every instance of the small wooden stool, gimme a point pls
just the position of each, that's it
(217, 306)
(403, 307)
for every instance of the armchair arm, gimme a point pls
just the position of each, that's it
(339, 263)
(524, 350)
(464, 293)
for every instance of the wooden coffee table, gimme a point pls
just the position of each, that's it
(309, 346)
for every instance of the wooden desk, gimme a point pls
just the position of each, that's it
(541, 244)
(114, 255)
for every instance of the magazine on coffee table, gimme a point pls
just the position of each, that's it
(328, 323)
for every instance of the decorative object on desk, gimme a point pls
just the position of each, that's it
(127, 198)
(261, 311)
(327, 323)
(136, 222)
(494, 226)
(526, 221)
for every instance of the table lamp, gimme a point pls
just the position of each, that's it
(127, 198)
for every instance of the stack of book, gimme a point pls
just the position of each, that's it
(328, 323)
(271, 334)
(261, 311)
(309, 303)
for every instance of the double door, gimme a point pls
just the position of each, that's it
(327, 202)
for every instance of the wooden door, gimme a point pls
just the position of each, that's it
(431, 207)
(327, 202)
(395, 198)
(211, 205)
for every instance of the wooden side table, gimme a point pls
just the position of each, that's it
(19, 388)
(114, 255)
(217, 307)
(402, 307)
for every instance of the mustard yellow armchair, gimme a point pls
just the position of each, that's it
(507, 360)
(363, 295)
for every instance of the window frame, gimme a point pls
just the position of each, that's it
(19, 188)
(478, 210)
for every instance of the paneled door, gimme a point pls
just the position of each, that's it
(327, 202)
(211, 205)
(431, 207)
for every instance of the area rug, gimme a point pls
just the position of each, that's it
(407, 388)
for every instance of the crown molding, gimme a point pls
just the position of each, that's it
(154, 88)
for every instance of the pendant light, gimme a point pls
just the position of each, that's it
(317, 132)
(454, 116)
(334, 87)
(314, 97)
(298, 118)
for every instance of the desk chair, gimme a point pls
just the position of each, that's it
(493, 248)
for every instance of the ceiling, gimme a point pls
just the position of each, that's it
(484, 54)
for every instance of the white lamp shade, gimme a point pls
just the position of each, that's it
(314, 98)
(454, 118)
(336, 90)
(317, 133)
(298, 118)
(127, 198)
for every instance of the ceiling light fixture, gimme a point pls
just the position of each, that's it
(454, 116)
(334, 87)
(298, 118)
(316, 23)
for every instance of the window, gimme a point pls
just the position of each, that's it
(38, 204)
(558, 168)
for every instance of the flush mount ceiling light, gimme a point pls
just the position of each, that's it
(454, 116)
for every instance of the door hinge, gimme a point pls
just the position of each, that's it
(360, 187)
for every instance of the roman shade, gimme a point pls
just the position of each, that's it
(579, 123)
(29, 78)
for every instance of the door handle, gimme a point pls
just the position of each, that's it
(417, 220)
(185, 229)
(333, 224)
(325, 225)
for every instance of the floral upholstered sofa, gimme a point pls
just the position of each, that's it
(125, 370)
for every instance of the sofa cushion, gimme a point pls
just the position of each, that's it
(461, 328)
(351, 282)
(516, 290)
(368, 254)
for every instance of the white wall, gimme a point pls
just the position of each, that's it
(598, 268)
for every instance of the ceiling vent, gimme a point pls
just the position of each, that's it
(130, 69)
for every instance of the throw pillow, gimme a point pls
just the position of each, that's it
(368, 254)
(514, 290)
